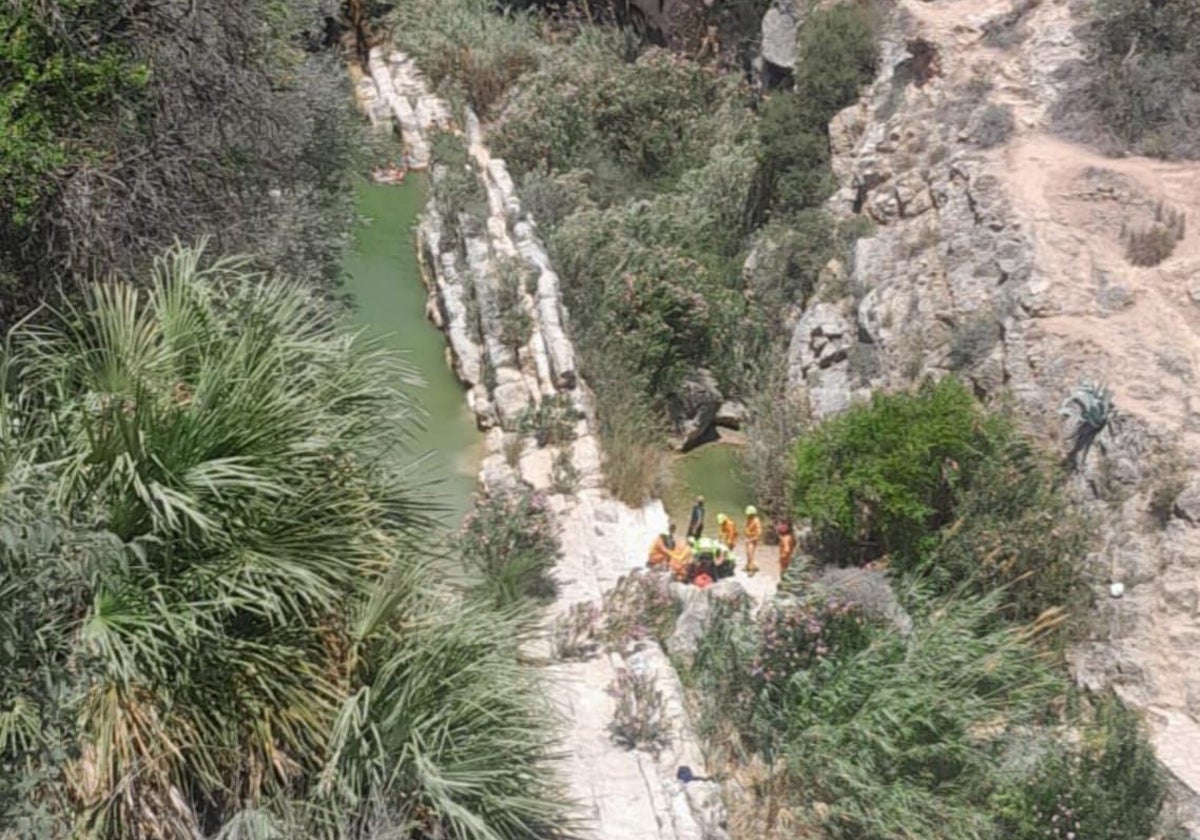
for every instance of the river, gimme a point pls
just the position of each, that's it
(384, 280)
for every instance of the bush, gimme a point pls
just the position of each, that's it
(836, 55)
(651, 120)
(468, 50)
(640, 606)
(185, 506)
(564, 477)
(1151, 245)
(112, 148)
(995, 126)
(510, 542)
(1108, 785)
(897, 736)
(972, 340)
(635, 462)
(639, 722)
(1144, 85)
(516, 321)
(939, 487)
(457, 190)
(552, 421)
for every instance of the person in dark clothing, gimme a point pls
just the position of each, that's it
(696, 523)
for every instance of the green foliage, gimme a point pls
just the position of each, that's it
(110, 148)
(897, 735)
(639, 722)
(880, 478)
(552, 421)
(650, 121)
(1089, 409)
(510, 543)
(939, 487)
(640, 606)
(516, 321)
(1146, 76)
(564, 476)
(835, 56)
(468, 50)
(57, 72)
(215, 615)
(457, 190)
(1110, 785)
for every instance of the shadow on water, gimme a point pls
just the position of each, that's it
(384, 282)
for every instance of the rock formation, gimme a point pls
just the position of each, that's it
(1001, 252)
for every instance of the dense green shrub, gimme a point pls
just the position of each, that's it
(1108, 785)
(552, 421)
(636, 126)
(895, 734)
(939, 486)
(510, 542)
(215, 613)
(469, 51)
(881, 478)
(835, 56)
(949, 731)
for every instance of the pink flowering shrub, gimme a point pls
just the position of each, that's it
(795, 637)
(511, 541)
(639, 607)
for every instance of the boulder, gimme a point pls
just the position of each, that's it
(694, 407)
(731, 414)
(1187, 504)
(779, 26)
(869, 589)
(694, 620)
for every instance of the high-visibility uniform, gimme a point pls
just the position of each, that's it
(753, 535)
(660, 555)
(753, 528)
(729, 533)
(680, 560)
(787, 547)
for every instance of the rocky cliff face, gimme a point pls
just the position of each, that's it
(1003, 253)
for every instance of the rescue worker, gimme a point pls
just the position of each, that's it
(661, 548)
(787, 546)
(753, 532)
(680, 560)
(696, 523)
(728, 531)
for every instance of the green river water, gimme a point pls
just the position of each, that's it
(389, 302)
(715, 472)
(389, 297)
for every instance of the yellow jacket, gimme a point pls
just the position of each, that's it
(753, 528)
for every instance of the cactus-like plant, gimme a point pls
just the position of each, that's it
(1090, 408)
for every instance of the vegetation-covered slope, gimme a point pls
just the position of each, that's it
(217, 618)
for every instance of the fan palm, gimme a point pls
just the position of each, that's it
(234, 452)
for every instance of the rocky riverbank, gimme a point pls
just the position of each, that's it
(622, 794)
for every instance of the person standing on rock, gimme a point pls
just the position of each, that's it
(753, 532)
(728, 531)
(787, 546)
(696, 523)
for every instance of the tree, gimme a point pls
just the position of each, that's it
(219, 615)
